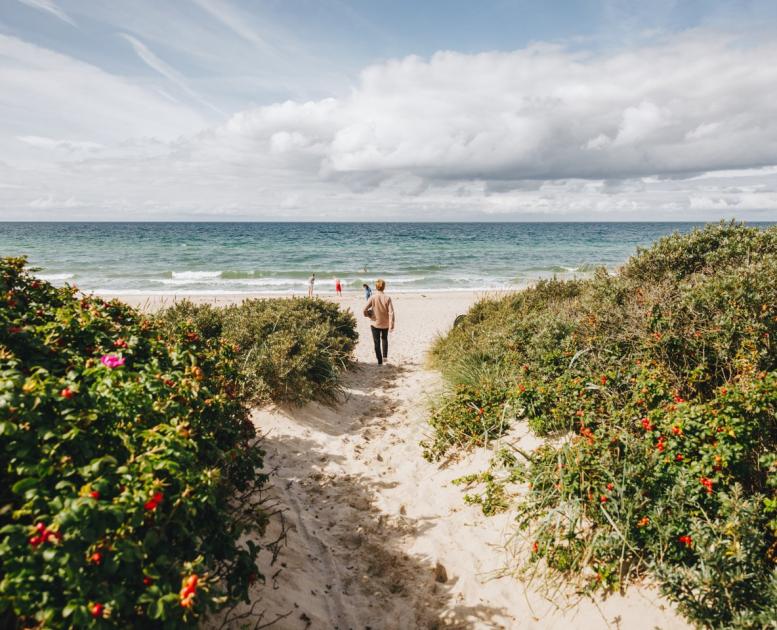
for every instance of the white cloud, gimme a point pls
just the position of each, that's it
(49, 6)
(676, 128)
(538, 113)
(41, 142)
(44, 93)
(232, 20)
(166, 70)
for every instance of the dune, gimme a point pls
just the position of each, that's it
(377, 537)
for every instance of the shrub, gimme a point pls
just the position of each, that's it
(289, 351)
(657, 391)
(127, 459)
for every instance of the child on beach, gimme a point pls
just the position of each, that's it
(311, 282)
(381, 311)
(367, 291)
(338, 287)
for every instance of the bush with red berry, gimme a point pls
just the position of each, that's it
(656, 392)
(127, 465)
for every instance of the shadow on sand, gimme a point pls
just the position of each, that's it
(344, 566)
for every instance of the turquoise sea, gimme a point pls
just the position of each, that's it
(214, 258)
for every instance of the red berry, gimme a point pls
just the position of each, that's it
(154, 501)
(95, 495)
(147, 581)
(36, 540)
(97, 610)
(67, 393)
(40, 527)
(96, 558)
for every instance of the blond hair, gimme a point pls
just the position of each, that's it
(380, 284)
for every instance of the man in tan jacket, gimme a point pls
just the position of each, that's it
(381, 311)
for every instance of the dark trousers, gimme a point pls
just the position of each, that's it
(378, 335)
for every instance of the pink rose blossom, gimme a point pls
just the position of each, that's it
(112, 361)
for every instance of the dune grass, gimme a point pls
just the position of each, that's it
(656, 391)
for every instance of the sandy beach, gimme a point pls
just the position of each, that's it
(380, 538)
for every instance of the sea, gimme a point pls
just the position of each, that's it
(273, 258)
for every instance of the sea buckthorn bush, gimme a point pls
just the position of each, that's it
(128, 465)
(656, 391)
(289, 350)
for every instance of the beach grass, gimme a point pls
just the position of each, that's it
(132, 486)
(655, 390)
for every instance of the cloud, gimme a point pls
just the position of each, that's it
(232, 20)
(167, 71)
(539, 113)
(49, 6)
(42, 142)
(45, 93)
(681, 126)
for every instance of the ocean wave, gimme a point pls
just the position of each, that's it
(236, 281)
(54, 277)
(581, 268)
(195, 275)
(298, 293)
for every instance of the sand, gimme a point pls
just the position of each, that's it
(377, 537)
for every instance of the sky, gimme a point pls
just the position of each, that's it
(449, 110)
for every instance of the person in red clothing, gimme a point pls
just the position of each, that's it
(338, 287)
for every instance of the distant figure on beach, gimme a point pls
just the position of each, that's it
(367, 291)
(311, 282)
(338, 287)
(381, 311)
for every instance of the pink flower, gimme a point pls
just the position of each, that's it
(112, 361)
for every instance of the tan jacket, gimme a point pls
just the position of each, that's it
(380, 310)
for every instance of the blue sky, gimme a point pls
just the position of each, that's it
(333, 109)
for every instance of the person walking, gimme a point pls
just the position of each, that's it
(311, 282)
(338, 287)
(380, 310)
(367, 291)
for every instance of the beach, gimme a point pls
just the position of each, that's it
(377, 536)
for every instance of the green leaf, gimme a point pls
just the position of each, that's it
(21, 486)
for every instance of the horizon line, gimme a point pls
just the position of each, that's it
(377, 222)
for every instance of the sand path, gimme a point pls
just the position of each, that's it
(380, 538)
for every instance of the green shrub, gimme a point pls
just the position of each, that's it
(126, 460)
(289, 351)
(657, 390)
